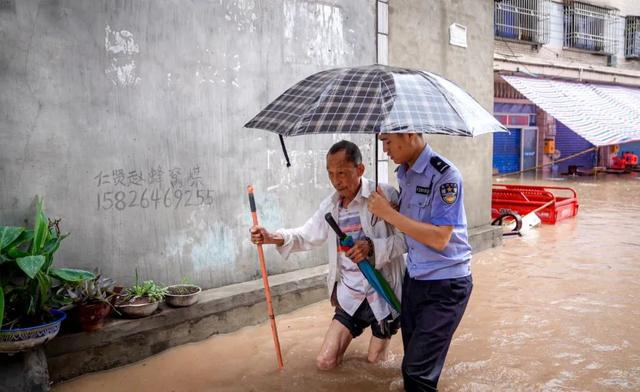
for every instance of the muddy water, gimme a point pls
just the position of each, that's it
(557, 310)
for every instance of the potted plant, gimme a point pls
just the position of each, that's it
(183, 294)
(29, 314)
(141, 299)
(91, 302)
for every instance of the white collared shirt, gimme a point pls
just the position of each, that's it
(353, 288)
(389, 244)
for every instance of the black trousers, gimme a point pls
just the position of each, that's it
(431, 312)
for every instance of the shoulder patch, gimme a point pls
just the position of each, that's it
(449, 192)
(440, 165)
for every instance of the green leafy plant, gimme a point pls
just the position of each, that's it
(90, 291)
(27, 276)
(147, 289)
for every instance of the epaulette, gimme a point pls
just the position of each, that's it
(440, 165)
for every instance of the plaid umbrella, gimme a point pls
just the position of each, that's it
(375, 99)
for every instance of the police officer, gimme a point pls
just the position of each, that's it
(438, 282)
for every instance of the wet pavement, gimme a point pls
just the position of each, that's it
(556, 310)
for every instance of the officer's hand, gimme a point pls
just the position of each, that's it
(260, 235)
(379, 205)
(359, 252)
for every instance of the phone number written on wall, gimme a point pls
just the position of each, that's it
(156, 188)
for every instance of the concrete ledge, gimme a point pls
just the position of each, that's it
(485, 237)
(219, 310)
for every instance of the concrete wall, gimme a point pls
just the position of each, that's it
(419, 38)
(126, 116)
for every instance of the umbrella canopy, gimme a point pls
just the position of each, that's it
(375, 99)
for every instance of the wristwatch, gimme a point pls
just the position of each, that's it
(370, 246)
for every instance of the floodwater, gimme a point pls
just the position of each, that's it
(556, 310)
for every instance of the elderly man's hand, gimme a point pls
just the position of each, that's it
(359, 252)
(379, 205)
(261, 236)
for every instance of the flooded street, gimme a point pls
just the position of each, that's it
(556, 310)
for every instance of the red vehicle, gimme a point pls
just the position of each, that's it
(626, 160)
(562, 203)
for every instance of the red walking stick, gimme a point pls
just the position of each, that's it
(265, 281)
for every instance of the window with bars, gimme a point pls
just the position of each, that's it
(590, 27)
(522, 20)
(632, 37)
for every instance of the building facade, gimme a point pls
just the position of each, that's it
(567, 83)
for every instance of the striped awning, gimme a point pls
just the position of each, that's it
(602, 114)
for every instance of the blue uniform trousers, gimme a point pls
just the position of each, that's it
(431, 312)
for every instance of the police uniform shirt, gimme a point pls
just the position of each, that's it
(431, 192)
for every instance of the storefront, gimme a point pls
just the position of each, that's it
(571, 117)
(516, 150)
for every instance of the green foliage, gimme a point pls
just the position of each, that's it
(149, 289)
(71, 275)
(26, 274)
(89, 291)
(31, 265)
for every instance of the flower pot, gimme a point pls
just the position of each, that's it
(22, 339)
(91, 316)
(140, 307)
(182, 295)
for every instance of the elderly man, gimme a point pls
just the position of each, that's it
(357, 305)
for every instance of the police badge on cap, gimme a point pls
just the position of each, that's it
(449, 192)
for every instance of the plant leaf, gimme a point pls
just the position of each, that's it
(25, 237)
(15, 253)
(30, 265)
(31, 310)
(40, 228)
(71, 275)
(52, 245)
(15, 249)
(1, 305)
(44, 285)
(8, 234)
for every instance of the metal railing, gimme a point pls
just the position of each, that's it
(632, 37)
(522, 20)
(589, 27)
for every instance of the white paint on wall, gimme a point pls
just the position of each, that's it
(214, 68)
(123, 75)
(207, 248)
(122, 51)
(217, 248)
(177, 245)
(307, 170)
(316, 30)
(119, 42)
(241, 14)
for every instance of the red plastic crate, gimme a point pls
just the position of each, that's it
(525, 198)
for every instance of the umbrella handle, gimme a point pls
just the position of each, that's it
(265, 281)
(334, 225)
(375, 159)
(284, 151)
